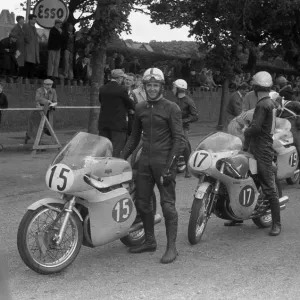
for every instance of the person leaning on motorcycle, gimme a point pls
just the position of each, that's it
(259, 140)
(160, 121)
(189, 115)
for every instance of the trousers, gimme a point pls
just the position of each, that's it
(149, 175)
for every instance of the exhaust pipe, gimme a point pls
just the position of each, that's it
(282, 201)
(296, 172)
(140, 225)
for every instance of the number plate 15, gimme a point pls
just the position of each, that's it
(200, 160)
(59, 178)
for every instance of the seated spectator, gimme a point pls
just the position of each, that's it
(44, 97)
(209, 79)
(3, 99)
(8, 55)
(82, 69)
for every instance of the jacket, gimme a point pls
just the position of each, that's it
(115, 102)
(259, 135)
(161, 124)
(287, 92)
(81, 72)
(140, 94)
(55, 39)
(32, 47)
(18, 30)
(250, 101)
(8, 60)
(3, 103)
(189, 111)
(235, 104)
(41, 98)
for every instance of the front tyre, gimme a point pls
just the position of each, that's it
(37, 247)
(294, 179)
(199, 217)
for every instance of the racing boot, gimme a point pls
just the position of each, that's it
(233, 223)
(171, 251)
(149, 244)
(275, 211)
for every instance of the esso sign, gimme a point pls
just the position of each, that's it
(47, 11)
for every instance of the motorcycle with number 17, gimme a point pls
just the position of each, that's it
(228, 185)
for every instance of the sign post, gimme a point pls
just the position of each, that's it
(28, 9)
(47, 11)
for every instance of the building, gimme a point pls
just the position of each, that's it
(8, 21)
(138, 46)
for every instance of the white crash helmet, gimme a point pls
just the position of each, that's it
(180, 84)
(153, 75)
(262, 79)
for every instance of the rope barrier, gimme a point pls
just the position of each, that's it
(41, 108)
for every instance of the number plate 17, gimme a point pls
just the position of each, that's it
(200, 160)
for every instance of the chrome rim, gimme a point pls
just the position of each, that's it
(40, 244)
(295, 177)
(138, 234)
(267, 218)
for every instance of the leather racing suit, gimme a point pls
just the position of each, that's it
(259, 137)
(161, 124)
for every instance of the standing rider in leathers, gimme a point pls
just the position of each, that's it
(160, 121)
(189, 115)
(259, 140)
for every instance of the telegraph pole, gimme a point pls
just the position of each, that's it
(28, 10)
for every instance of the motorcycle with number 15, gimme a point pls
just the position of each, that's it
(228, 185)
(95, 207)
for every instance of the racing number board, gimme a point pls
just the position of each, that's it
(247, 196)
(122, 210)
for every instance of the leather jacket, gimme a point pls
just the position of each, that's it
(161, 124)
(189, 111)
(259, 135)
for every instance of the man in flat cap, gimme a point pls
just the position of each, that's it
(54, 47)
(8, 61)
(115, 103)
(44, 97)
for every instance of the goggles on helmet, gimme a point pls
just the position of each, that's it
(156, 77)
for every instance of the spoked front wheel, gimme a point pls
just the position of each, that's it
(199, 217)
(37, 246)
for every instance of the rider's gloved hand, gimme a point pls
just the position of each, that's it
(166, 178)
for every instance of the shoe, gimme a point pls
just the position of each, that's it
(150, 243)
(233, 223)
(275, 211)
(275, 230)
(171, 251)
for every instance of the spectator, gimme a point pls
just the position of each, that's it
(112, 61)
(3, 99)
(44, 97)
(82, 69)
(115, 103)
(218, 78)
(107, 73)
(68, 48)
(209, 79)
(138, 81)
(139, 93)
(19, 32)
(32, 48)
(129, 85)
(54, 47)
(235, 102)
(285, 90)
(186, 70)
(134, 66)
(8, 53)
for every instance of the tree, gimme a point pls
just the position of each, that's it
(226, 28)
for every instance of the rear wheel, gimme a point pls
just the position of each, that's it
(199, 217)
(294, 179)
(137, 237)
(265, 221)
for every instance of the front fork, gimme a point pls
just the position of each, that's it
(68, 210)
(215, 193)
